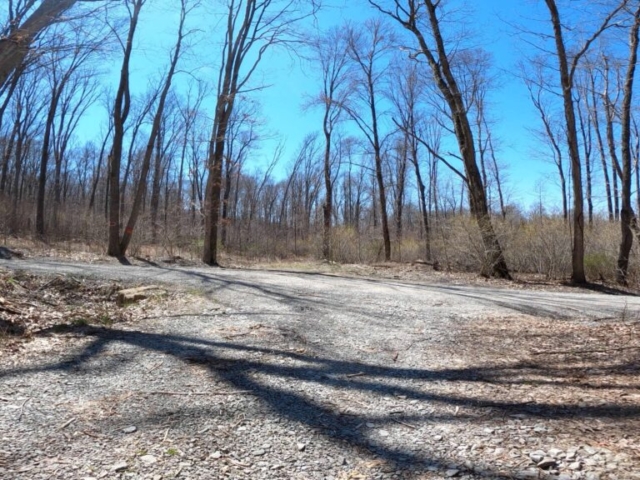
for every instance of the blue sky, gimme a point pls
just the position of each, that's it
(511, 107)
(291, 81)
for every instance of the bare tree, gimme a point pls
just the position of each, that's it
(551, 134)
(609, 104)
(121, 108)
(368, 47)
(594, 115)
(242, 137)
(567, 65)
(79, 96)
(423, 19)
(406, 92)
(28, 106)
(61, 75)
(627, 215)
(185, 8)
(252, 27)
(330, 54)
(586, 134)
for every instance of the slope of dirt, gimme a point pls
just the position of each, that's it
(253, 374)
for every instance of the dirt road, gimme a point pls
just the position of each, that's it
(272, 374)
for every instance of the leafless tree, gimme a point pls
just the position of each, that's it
(330, 54)
(423, 19)
(61, 77)
(121, 108)
(252, 27)
(78, 97)
(185, 8)
(407, 92)
(26, 20)
(627, 215)
(369, 47)
(567, 65)
(242, 136)
(594, 102)
(610, 100)
(551, 132)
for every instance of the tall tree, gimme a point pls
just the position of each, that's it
(61, 74)
(550, 133)
(22, 33)
(627, 215)
(252, 28)
(331, 55)
(121, 107)
(185, 8)
(368, 47)
(423, 19)
(567, 65)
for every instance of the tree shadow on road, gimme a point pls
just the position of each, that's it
(237, 366)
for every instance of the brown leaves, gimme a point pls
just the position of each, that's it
(31, 304)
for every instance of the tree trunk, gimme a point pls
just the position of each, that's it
(154, 202)
(214, 184)
(424, 208)
(44, 159)
(438, 60)
(120, 113)
(627, 216)
(327, 207)
(566, 81)
(603, 157)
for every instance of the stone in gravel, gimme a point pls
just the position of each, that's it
(537, 456)
(526, 474)
(547, 463)
(575, 466)
(148, 459)
(301, 447)
(554, 452)
(370, 425)
(437, 438)
(130, 429)
(216, 455)
(592, 476)
(383, 433)
(452, 472)
(119, 467)
(259, 453)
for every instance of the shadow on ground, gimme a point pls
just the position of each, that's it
(350, 376)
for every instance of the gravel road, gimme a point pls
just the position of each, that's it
(273, 374)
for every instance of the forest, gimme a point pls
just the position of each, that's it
(404, 163)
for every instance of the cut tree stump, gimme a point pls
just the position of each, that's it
(131, 295)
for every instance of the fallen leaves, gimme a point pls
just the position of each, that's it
(32, 304)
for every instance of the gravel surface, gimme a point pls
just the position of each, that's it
(267, 374)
